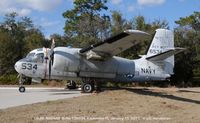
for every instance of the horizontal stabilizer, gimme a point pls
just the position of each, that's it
(166, 54)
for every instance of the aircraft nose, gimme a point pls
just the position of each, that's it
(17, 66)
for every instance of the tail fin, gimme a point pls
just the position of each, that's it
(163, 41)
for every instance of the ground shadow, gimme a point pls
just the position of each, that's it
(67, 93)
(188, 91)
(58, 90)
(149, 92)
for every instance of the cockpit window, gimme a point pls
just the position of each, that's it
(39, 57)
(33, 57)
(30, 55)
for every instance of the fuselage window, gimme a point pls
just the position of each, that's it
(39, 57)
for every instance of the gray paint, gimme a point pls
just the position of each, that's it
(94, 63)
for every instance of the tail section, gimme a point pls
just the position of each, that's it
(161, 50)
(162, 41)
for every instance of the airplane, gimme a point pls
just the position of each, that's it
(98, 62)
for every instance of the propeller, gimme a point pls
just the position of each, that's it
(51, 57)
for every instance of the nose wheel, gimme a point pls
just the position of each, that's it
(21, 82)
(22, 89)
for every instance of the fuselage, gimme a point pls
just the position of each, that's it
(69, 64)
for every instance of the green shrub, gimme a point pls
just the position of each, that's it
(9, 79)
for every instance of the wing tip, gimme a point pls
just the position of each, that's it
(136, 31)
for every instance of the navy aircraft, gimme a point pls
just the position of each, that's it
(98, 62)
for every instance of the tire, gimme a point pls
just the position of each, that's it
(22, 89)
(87, 87)
(71, 85)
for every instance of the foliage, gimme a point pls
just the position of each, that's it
(139, 23)
(85, 24)
(18, 36)
(8, 79)
(187, 67)
(118, 23)
(192, 21)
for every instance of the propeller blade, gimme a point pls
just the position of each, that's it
(49, 69)
(51, 57)
(53, 44)
(52, 47)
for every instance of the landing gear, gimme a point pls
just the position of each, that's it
(21, 82)
(71, 84)
(87, 87)
(22, 89)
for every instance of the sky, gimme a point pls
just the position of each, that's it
(48, 13)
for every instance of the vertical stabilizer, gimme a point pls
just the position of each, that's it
(162, 42)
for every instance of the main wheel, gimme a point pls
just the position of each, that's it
(71, 85)
(87, 87)
(22, 89)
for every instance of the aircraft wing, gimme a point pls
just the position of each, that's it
(114, 45)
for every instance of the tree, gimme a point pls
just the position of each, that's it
(60, 40)
(7, 53)
(84, 23)
(188, 36)
(117, 22)
(17, 37)
(33, 39)
(190, 22)
(183, 62)
(139, 23)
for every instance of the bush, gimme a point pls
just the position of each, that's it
(9, 79)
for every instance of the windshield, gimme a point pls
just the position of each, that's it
(32, 57)
(39, 57)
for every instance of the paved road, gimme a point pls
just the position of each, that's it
(10, 96)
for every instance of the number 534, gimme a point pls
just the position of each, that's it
(29, 66)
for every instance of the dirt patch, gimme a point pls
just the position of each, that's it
(124, 105)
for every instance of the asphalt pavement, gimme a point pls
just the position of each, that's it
(11, 97)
